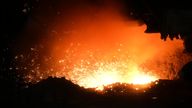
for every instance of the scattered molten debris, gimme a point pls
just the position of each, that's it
(95, 48)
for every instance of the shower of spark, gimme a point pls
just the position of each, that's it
(95, 47)
(109, 74)
(97, 71)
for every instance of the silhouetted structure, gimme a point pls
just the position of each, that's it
(186, 72)
(171, 19)
(59, 93)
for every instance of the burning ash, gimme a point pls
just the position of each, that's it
(95, 47)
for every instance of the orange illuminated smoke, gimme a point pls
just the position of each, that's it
(96, 47)
(105, 49)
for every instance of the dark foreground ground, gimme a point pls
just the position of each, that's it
(60, 93)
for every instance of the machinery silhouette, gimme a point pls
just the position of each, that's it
(170, 19)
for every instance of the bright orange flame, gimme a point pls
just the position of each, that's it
(143, 79)
(102, 74)
(106, 78)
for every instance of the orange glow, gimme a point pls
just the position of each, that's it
(94, 47)
(107, 74)
(142, 78)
